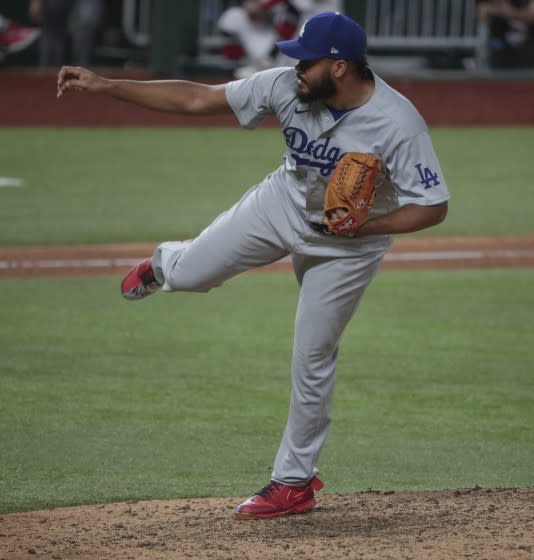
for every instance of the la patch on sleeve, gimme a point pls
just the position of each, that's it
(428, 178)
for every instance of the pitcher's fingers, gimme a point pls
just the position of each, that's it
(68, 73)
(62, 74)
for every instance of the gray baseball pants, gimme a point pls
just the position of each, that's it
(264, 226)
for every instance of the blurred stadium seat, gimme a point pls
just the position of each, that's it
(427, 27)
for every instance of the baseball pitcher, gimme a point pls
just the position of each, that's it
(359, 167)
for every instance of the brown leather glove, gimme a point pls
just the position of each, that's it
(351, 188)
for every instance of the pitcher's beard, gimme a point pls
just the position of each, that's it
(320, 91)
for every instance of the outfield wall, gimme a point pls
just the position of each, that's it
(28, 97)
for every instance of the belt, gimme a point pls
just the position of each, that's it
(318, 226)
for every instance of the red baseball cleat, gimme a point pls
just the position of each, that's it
(278, 499)
(140, 281)
(15, 37)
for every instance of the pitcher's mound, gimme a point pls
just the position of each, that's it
(473, 523)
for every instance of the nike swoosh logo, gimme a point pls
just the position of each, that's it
(299, 111)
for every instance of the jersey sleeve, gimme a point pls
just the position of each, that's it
(415, 172)
(254, 98)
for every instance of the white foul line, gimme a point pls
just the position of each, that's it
(67, 263)
(12, 182)
(459, 255)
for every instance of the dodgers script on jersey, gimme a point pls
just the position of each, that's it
(388, 126)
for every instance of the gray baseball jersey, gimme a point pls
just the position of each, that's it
(273, 219)
(388, 126)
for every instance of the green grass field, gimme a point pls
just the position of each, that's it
(100, 186)
(186, 394)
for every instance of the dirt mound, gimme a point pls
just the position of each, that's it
(473, 523)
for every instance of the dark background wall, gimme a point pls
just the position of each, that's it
(174, 31)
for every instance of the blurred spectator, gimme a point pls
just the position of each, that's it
(67, 26)
(256, 25)
(251, 33)
(510, 32)
(15, 37)
(308, 8)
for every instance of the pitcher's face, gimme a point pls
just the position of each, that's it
(314, 80)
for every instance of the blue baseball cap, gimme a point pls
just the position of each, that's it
(327, 35)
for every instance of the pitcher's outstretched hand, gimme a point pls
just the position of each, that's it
(78, 79)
